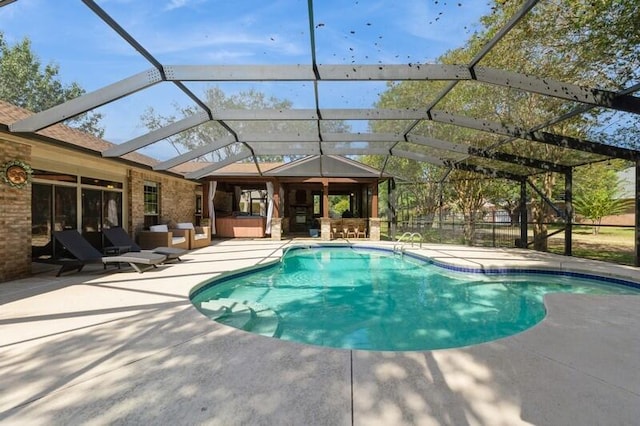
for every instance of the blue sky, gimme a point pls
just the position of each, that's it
(69, 34)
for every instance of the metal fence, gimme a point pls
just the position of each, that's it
(449, 229)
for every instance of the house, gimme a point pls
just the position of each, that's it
(69, 185)
(57, 179)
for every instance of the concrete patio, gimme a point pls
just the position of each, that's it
(118, 347)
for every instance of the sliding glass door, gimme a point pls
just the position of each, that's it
(53, 208)
(56, 200)
(100, 209)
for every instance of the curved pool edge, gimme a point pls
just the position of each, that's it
(572, 267)
(226, 275)
(616, 275)
(566, 267)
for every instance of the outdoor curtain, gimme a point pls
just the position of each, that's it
(281, 206)
(212, 213)
(267, 229)
(238, 194)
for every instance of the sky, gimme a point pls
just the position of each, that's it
(196, 32)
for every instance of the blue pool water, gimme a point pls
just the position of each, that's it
(369, 299)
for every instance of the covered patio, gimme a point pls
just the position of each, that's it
(293, 199)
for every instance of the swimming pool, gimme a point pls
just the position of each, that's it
(373, 299)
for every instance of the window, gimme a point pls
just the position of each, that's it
(198, 215)
(101, 182)
(151, 203)
(317, 204)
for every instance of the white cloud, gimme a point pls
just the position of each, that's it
(177, 4)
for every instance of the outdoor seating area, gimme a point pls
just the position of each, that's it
(349, 228)
(83, 253)
(74, 252)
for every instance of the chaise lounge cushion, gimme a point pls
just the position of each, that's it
(122, 242)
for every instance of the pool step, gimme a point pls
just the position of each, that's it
(227, 311)
(264, 322)
(249, 316)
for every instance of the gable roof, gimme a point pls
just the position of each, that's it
(241, 169)
(326, 166)
(78, 139)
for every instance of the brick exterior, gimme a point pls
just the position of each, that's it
(177, 204)
(15, 218)
(177, 199)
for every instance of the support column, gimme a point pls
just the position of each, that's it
(276, 228)
(374, 200)
(523, 214)
(374, 229)
(325, 229)
(325, 198)
(393, 220)
(205, 201)
(325, 221)
(440, 213)
(637, 220)
(568, 208)
(374, 220)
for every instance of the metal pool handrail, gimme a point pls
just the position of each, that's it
(401, 244)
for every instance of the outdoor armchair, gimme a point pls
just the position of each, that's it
(198, 235)
(162, 236)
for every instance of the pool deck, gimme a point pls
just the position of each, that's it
(118, 347)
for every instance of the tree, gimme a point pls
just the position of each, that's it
(216, 99)
(25, 83)
(506, 195)
(587, 43)
(469, 200)
(597, 195)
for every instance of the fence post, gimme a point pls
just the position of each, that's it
(568, 208)
(523, 214)
(493, 228)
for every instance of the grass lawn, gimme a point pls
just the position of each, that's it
(611, 244)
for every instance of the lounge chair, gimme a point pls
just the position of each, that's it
(122, 243)
(85, 253)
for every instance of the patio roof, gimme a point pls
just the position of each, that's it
(493, 150)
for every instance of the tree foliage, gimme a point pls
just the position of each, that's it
(587, 43)
(24, 82)
(598, 194)
(216, 99)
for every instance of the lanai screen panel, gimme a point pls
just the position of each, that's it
(327, 68)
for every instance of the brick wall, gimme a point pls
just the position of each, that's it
(177, 199)
(15, 218)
